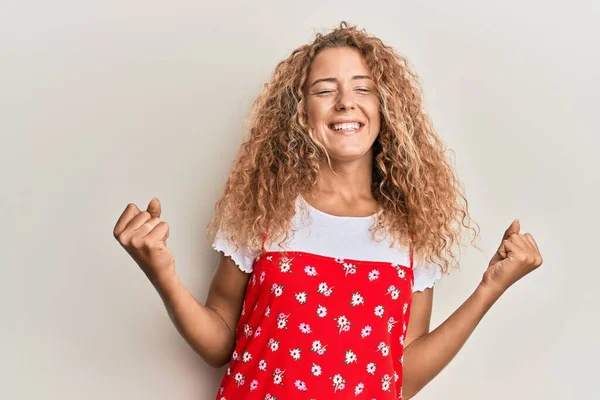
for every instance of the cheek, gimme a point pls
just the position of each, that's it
(375, 115)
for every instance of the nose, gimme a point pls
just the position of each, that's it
(344, 100)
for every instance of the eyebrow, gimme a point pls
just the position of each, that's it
(335, 80)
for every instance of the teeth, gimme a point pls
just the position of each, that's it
(352, 126)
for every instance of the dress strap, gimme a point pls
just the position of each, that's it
(263, 243)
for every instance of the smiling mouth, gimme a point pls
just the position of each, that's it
(346, 127)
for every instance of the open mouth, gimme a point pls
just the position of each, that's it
(346, 127)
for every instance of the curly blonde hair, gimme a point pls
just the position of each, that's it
(420, 197)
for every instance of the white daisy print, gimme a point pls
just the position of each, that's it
(324, 289)
(315, 370)
(401, 273)
(285, 265)
(235, 356)
(357, 299)
(350, 357)
(273, 344)
(394, 292)
(405, 308)
(339, 383)
(304, 328)
(247, 330)
(339, 260)
(262, 365)
(282, 320)
(295, 353)
(386, 382)
(359, 388)
(343, 323)
(371, 368)
(310, 271)
(239, 379)
(321, 311)
(390, 324)
(277, 289)
(385, 351)
(373, 275)
(268, 311)
(262, 277)
(278, 376)
(350, 269)
(379, 311)
(301, 297)
(246, 357)
(318, 348)
(366, 331)
(300, 385)
(257, 332)
(253, 385)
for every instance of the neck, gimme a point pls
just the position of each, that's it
(347, 180)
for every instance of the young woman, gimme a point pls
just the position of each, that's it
(340, 213)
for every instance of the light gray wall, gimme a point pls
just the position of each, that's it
(103, 103)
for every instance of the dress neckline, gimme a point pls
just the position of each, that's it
(329, 258)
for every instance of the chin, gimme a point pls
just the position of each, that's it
(346, 155)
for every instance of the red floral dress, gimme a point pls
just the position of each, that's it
(317, 327)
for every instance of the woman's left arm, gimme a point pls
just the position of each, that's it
(427, 353)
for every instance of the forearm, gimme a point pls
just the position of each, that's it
(200, 326)
(428, 355)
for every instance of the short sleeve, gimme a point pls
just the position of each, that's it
(242, 256)
(426, 274)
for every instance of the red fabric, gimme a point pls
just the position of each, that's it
(303, 332)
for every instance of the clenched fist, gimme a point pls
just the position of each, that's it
(144, 236)
(517, 256)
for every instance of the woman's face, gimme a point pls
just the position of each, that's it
(342, 104)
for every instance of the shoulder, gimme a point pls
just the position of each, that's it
(426, 274)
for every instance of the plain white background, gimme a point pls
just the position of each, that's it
(103, 103)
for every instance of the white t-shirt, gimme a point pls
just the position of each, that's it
(324, 234)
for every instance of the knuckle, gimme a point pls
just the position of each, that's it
(124, 239)
(137, 242)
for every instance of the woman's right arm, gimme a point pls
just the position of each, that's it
(210, 328)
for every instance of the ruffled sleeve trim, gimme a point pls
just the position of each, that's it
(242, 257)
(426, 275)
